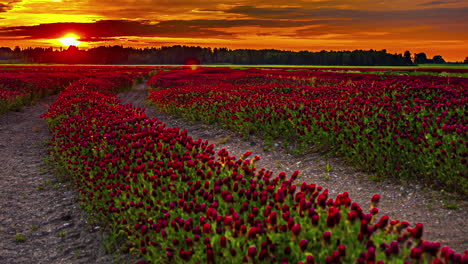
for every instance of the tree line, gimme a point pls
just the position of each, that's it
(182, 54)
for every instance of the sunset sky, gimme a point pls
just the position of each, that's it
(437, 27)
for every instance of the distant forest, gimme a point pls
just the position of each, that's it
(198, 55)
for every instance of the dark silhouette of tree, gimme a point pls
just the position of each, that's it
(466, 60)
(420, 58)
(437, 59)
(180, 54)
(407, 56)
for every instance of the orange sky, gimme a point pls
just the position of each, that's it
(436, 27)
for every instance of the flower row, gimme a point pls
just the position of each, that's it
(170, 198)
(404, 127)
(21, 86)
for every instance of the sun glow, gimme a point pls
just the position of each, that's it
(69, 40)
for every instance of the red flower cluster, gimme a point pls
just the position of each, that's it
(22, 85)
(411, 127)
(174, 199)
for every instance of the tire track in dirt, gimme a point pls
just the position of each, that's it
(40, 221)
(445, 216)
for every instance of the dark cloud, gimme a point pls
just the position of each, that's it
(113, 28)
(4, 7)
(207, 23)
(434, 3)
(351, 16)
(339, 23)
(96, 39)
(172, 28)
(275, 13)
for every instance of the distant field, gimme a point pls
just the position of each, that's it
(442, 70)
(423, 66)
(431, 66)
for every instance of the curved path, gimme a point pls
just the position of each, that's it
(40, 219)
(445, 217)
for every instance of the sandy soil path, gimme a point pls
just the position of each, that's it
(445, 217)
(40, 221)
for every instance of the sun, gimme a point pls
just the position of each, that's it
(69, 40)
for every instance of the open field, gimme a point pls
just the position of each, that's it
(393, 126)
(167, 197)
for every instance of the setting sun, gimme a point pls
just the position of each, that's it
(69, 40)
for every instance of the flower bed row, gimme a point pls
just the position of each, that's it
(21, 86)
(18, 88)
(381, 70)
(394, 126)
(173, 199)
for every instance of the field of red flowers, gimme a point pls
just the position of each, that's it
(402, 127)
(171, 199)
(23, 85)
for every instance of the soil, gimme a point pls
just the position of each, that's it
(40, 218)
(41, 222)
(445, 216)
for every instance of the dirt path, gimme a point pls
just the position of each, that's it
(445, 217)
(40, 221)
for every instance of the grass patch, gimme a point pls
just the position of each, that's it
(20, 238)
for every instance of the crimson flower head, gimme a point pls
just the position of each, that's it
(375, 199)
(164, 234)
(430, 247)
(229, 198)
(310, 259)
(252, 252)
(185, 255)
(417, 231)
(223, 242)
(252, 232)
(273, 218)
(210, 255)
(295, 175)
(246, 154)
(303, 244)
(227, 220)
(370, 255)
(296, 229)
(315, 219)
(342, 250)
(188, 242)
(383, 222)
(416, 253)
(144, 230)
(280, 195)
(206, 228)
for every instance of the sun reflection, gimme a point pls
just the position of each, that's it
(192, 63)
